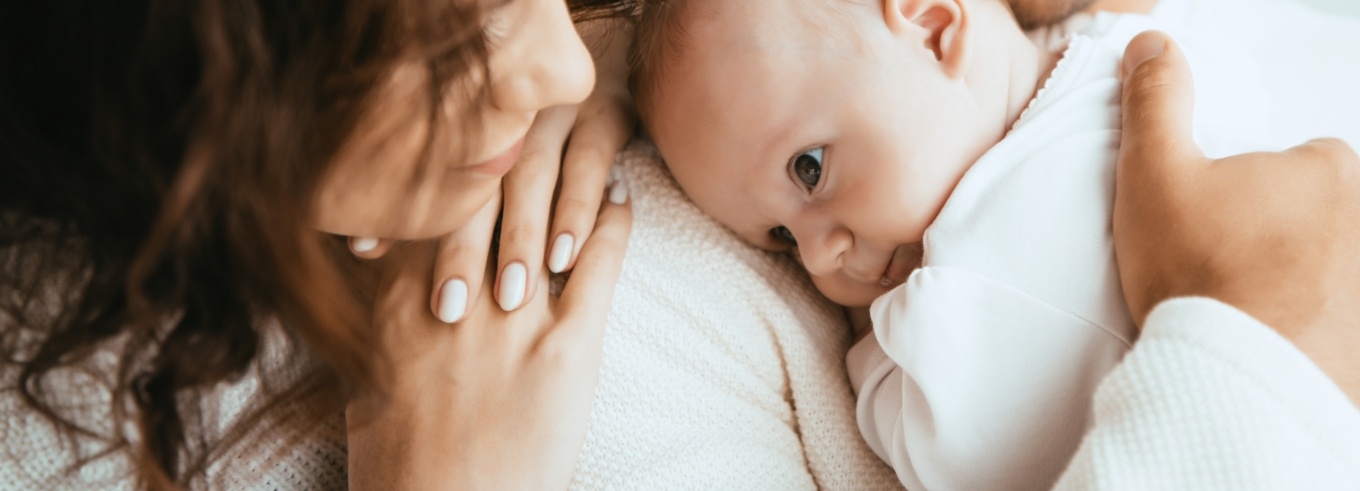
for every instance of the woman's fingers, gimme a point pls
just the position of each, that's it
(601, 130)
(369, 247)
(528, 203)
(1158, 108)
(1158, 162)
(460, 265)
(590, 290)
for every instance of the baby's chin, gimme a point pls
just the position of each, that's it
(847, 293)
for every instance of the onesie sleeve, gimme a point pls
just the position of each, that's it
(968, 383)
(1209, 399)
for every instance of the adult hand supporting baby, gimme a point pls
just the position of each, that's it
(501, 400)
(1274, 234)
(568, 149)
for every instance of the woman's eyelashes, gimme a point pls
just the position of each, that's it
(806, 168)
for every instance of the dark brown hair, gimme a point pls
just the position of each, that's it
(157, 160)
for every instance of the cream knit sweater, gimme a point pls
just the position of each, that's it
(723, 370)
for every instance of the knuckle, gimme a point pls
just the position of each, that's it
(590, 255)
(1333, 155)
(603, 252)
(1337, 150)
(469, 272)
(522, 235)
(537, 163)
(1147, 84)
(560, 347)
(571, 207)
(458, 257)
(594, 152)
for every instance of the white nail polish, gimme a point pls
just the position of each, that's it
(363, 244)
(561, 253)
(619, 193)
(513, 281)
(452, 301)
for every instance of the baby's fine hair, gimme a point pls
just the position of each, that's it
(657, 38)
(660, 37)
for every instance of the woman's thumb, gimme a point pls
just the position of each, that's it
(1158, 104)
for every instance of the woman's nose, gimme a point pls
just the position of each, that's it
(550, 68)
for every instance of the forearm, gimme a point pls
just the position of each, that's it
(1212, 399)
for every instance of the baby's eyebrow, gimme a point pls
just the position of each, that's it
(780, 134)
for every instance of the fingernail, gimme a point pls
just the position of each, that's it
(561, 253)
(1142, 49)
(363, 244)
(512, 286)
(452, 301)
(618, 194)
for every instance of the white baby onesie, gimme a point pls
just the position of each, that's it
(982, 365)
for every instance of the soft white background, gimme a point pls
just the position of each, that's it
(1350, 7)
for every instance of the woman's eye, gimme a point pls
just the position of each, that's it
(807, 167)
(782, 234)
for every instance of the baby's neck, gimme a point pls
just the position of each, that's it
(1008, 59)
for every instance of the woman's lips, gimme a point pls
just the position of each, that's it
(498, 166)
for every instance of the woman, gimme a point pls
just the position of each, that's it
(165, 165)
(175, 180)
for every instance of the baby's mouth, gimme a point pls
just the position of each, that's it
(905, 259)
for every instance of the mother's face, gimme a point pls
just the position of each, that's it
(379, 186)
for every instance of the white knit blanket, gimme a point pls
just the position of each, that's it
(723, 369)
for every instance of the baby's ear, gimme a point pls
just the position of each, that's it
(940, 26)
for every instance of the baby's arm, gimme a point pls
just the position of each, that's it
(968, 383)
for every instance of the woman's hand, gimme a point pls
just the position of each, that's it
(1276, 235)
(575, 144)
(499, 401)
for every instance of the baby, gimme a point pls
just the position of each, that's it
(925, 157)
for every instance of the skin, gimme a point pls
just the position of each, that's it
(601, 126)
(376, 187)
(508, 386)
(539, 70)
(1186, 225)
(1038, 13)
(500, 401)
(514, 390)
(898, 111)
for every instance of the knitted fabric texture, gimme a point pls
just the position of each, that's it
(723, 369)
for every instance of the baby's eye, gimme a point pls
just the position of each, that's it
(807, 167)
(783, 235)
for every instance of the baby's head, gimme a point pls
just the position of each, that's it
(836, 128)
